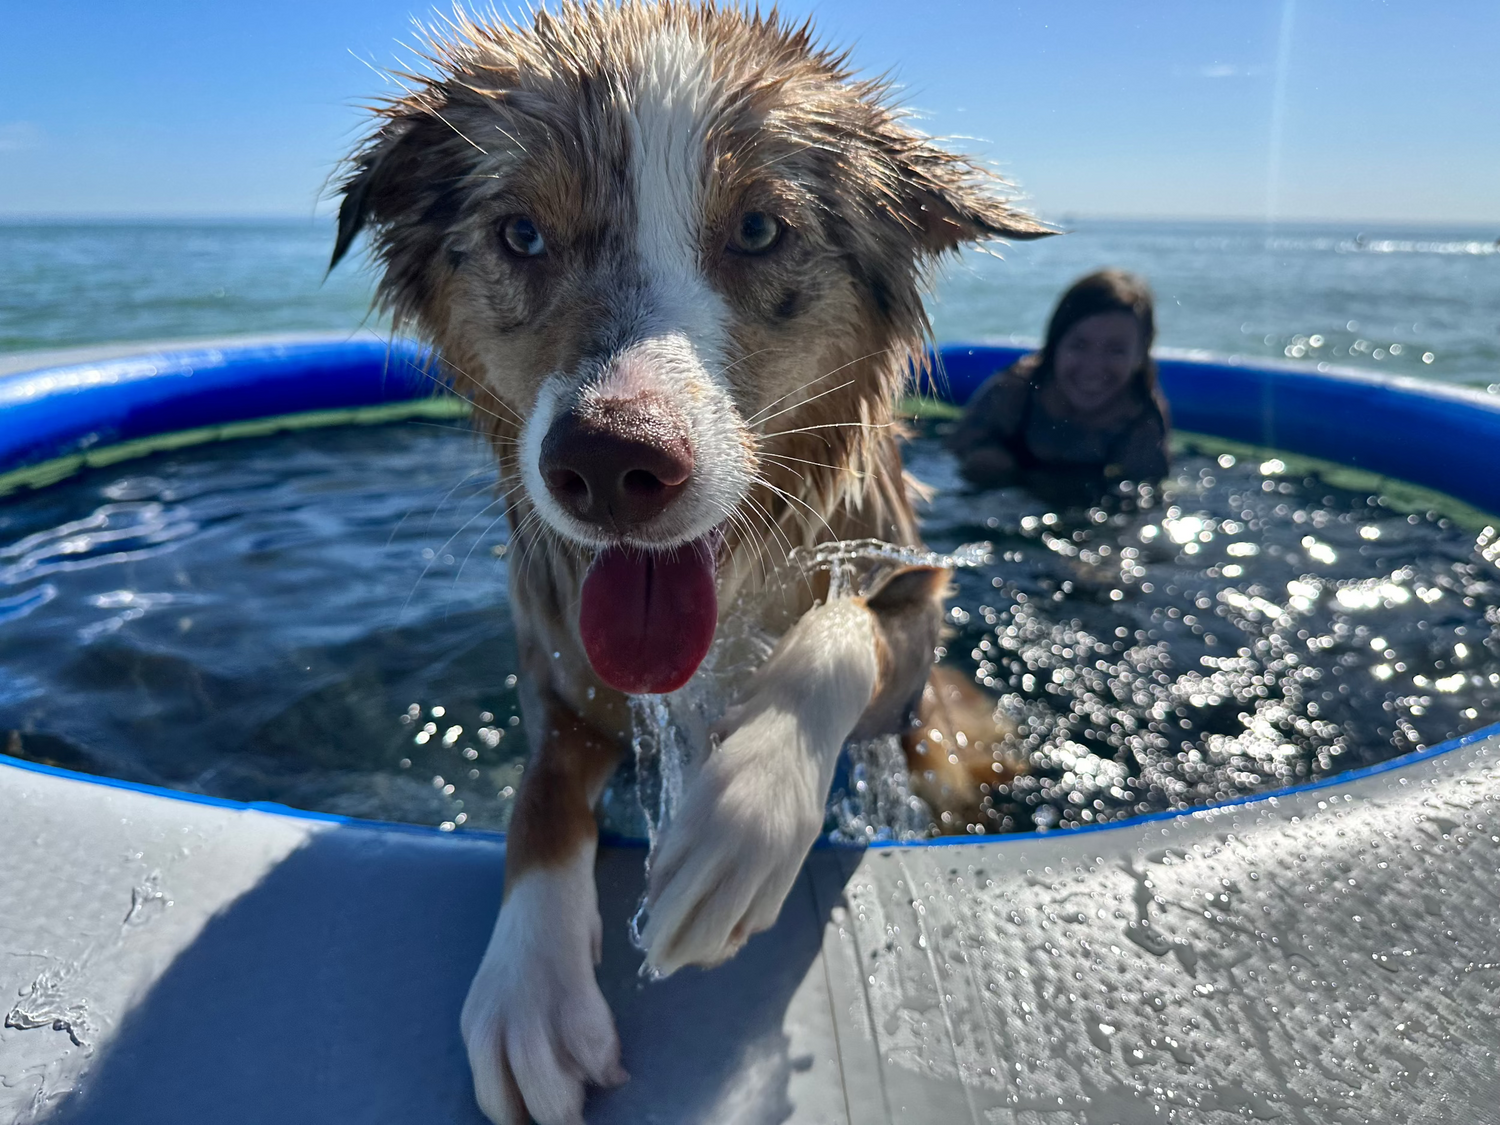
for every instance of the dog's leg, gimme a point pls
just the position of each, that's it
(958, 743)
(535, 1024)
(853, 666)
(749, 816)
(953, 735)
(955, 738)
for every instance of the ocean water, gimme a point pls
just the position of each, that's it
(1420, 301)
(68, 284)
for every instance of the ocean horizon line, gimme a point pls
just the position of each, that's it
(19, 219)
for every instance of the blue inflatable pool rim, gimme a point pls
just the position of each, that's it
(1430, 434)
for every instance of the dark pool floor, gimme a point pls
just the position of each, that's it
(320, 620)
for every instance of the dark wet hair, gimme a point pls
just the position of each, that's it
(1106, 291)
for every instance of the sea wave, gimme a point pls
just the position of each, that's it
(1359, 245)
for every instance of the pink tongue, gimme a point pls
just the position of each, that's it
(648, 618)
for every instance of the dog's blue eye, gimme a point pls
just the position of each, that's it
(522, 238)
(757, 233)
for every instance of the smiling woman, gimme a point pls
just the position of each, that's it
(1086, 405)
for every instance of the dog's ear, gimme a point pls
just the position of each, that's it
(362, 189)
(908, 587)
(951, 200)
(353, 210)
(408, 171)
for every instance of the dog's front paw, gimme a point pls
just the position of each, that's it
(729, 857)
(536, 1027)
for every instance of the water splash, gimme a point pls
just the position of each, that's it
(667, 730)
(666, 734)
(667, 727)
(842, 558)
(876, 804)
(658, 780)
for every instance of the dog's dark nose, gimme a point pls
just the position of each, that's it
(617, 463)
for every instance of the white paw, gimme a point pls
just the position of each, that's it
(730, 855)
(733, 850)
(535, 1024)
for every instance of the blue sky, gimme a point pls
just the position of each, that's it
(1387, 111)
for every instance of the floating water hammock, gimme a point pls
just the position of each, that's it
(1327, 953)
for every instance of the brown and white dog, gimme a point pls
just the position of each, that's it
(675, 254)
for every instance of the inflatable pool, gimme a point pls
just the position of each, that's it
(1324, 954)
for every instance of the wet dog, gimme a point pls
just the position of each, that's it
(675, 255)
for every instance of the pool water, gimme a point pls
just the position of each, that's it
(320, 620)
(258, 620)
(1249, 625)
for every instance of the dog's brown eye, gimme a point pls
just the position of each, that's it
(757, 233)
(522, 238)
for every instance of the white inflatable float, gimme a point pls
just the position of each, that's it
(1324, 954)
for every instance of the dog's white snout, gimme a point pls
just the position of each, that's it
(644, 448)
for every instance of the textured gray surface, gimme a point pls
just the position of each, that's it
(1333, 956)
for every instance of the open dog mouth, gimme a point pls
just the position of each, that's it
(647, 617)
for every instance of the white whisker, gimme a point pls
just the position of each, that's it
(800, 404)
(756, 417)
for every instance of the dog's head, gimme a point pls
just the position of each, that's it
(650, 239)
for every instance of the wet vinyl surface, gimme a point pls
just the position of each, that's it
(1325, 958)
(320, 620)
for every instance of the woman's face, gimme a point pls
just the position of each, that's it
(1096, 358)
